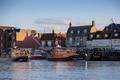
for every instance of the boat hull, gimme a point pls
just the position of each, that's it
(71, 58)
(38, 57)
(20, 59)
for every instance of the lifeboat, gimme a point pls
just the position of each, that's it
(20, 55)
(61, 54)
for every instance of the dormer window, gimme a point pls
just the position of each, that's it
(91, 36)
(106, 29)
(85, 30)
(98, 35)
(71, 31)
(106, 35)
(116, 34)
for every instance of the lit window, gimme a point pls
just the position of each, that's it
(98, 36)
(71, 32)
(116, 35)
(106, 35)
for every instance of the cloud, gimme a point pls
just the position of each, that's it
(52, 21)
(48, 24)
(57, 23)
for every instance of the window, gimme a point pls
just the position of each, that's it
(115, 30)
(98, 35)
(71, 31)
(13, 38)
(49, 43)
(9, 45)
(85, 30)
(77, 39)
(13, 43)
(91, 36)
(106, 35)
(56, 42)
(70, 39)
(116, 34)
(1, 37)
(43, 43)
(78, 32)
(9, 38)
(10, 33)
(106, 29)
(1, 45)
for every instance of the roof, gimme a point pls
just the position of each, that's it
(53, 36)
(7, 27)
(78, 28)
(112, 26)
(102, 35)
(20, 36)
(47, 36)
(29, 42)
(109, 31)
(23, 40)
(61, 36)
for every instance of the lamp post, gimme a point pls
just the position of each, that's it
(111, 40)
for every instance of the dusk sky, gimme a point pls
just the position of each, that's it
(45, 15)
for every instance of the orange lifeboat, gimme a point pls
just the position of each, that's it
(61, 54)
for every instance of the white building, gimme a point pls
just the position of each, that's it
(108, 38)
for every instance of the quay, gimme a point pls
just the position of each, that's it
(96, 54)
(99, 54)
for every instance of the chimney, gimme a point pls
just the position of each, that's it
(93, 23)
(70, 24)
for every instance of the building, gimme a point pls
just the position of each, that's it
(109, 37)
(53, 39)
(7, 37)
(77, 35)
(27, 39)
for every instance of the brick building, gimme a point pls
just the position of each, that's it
(7, 37)
(53, 39)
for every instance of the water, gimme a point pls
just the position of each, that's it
(47, 70)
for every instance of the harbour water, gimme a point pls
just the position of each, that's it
(47, 70)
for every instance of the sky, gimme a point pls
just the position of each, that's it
(45, 15)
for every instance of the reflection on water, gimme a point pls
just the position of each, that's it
(46, 70)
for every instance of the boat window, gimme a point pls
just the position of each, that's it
(60, 52)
